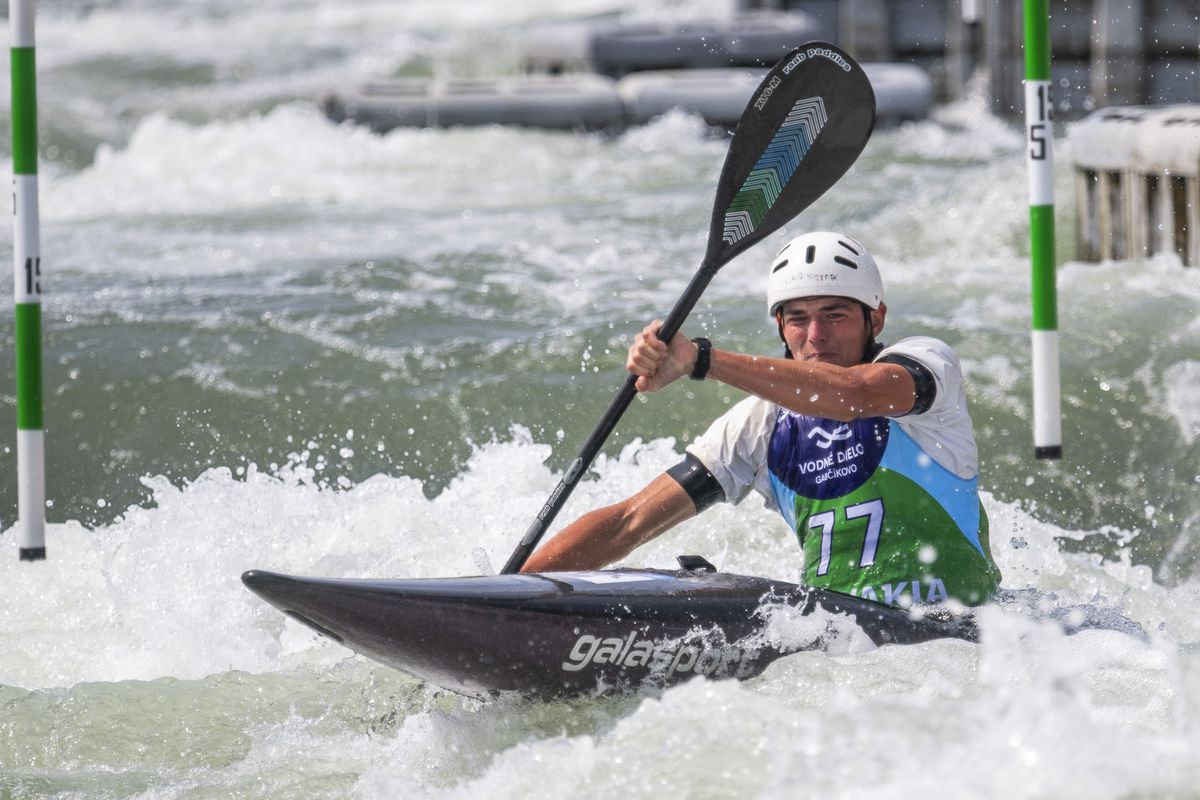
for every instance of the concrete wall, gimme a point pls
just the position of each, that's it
(1137, 183)
(1105, 52)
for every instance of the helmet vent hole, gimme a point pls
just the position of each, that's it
(779, 266)
(845, 262)
(810, 255)
(848, 247)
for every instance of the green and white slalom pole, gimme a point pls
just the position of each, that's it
(1047, 389)
(27, 292)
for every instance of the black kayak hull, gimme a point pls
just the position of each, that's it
(572, 632)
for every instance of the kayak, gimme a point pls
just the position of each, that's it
(567, 633)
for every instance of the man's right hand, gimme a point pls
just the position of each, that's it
(657, 365)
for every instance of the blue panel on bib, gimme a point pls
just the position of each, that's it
(823, 458)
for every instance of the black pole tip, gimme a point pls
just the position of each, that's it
(1049, 451)
(33, 554)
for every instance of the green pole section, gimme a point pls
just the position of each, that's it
(27, 288)
(1037, 40)
(24, 111)
(29, 366)
(1044, 290)
(1047, 393)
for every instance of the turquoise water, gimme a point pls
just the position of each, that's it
(275, 342)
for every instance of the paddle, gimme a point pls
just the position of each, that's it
(805, 125)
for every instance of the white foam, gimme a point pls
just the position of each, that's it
(1182, 381)
(1006, 715)
(177, 32)
(173, 167)
(157, 593)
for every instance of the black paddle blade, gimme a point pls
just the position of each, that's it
(805, 125)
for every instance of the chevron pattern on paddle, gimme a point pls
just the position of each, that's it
(775, 168)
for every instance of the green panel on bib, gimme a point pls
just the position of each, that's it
(920, 555)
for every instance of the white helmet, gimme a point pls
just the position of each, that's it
(823, 264)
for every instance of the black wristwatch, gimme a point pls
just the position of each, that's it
(703, 358)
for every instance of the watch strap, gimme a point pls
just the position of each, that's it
(703, 358)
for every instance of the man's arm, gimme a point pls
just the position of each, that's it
(806, 387)
(819, 389)
(609, 534)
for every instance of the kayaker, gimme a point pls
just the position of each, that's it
(867, 451)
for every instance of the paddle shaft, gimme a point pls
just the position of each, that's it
(616, 409)
(805, 125)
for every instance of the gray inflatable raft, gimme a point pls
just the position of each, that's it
(902, 92)
(573, 102)
(594, 102)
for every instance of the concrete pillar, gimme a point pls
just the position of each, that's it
(865, 29)
(1086, 246)
(1136, 214)
(1168, 222)
(1105, 216)
(1192, 254)
(1004, 55)
(964, 43)
(1118, 52)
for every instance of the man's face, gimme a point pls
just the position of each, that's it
(829, 329)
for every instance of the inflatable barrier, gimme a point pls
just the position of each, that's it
(575, 102)
(902, 92)
(755, 39)
(717, 95)
(744, 41)
(593, 102)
